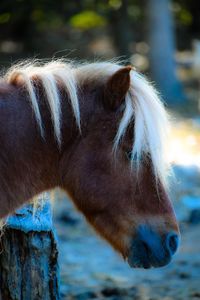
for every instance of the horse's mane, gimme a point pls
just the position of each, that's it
(142, 104)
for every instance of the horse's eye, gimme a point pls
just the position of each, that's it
(132, 158)
(129, 155)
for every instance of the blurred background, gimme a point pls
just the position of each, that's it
(161, 38)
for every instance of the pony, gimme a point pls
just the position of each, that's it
(99, 132)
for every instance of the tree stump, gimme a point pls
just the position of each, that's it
(29, 256)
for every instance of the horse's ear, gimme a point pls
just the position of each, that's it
(116, 88)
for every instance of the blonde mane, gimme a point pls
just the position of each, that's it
(142, 104)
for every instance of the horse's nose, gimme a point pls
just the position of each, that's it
(151, 249)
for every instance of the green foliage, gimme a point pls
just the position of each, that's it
(185, 17)
(116, 4)
(86, 20)
(182, 13)
(4, 18)
(135, 12)
(43, 21)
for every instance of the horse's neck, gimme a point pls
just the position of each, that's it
(29, 164)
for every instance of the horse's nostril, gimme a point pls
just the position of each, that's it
(172, 241)
(145, 247)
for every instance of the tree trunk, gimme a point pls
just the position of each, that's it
(120, 28)
(28, 258)
(162, 50)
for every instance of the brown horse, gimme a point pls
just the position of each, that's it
(97, 131)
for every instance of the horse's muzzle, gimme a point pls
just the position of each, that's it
(150, 249)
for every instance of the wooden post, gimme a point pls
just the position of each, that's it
(29, 256)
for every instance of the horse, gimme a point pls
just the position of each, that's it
(99, 132)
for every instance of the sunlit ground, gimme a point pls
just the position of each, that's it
(184, 142)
